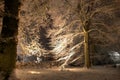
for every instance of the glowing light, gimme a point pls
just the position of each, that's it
(33, 72)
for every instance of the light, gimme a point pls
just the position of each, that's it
(33, 72)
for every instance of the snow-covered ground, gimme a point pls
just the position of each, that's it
(95, 73)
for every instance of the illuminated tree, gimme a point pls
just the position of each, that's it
(32, 32)
(92, 16)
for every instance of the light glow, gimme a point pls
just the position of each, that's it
(33, 72)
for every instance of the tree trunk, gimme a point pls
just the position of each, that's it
(86, 50)
(8, 41)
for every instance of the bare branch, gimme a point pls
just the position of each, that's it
(101, 23)
(106, 10)
(102, 33)
(65, 28)
(91, 30)
(76, 46)
(77, 58)
(67, 58)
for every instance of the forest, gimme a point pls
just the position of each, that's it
(59, 39)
